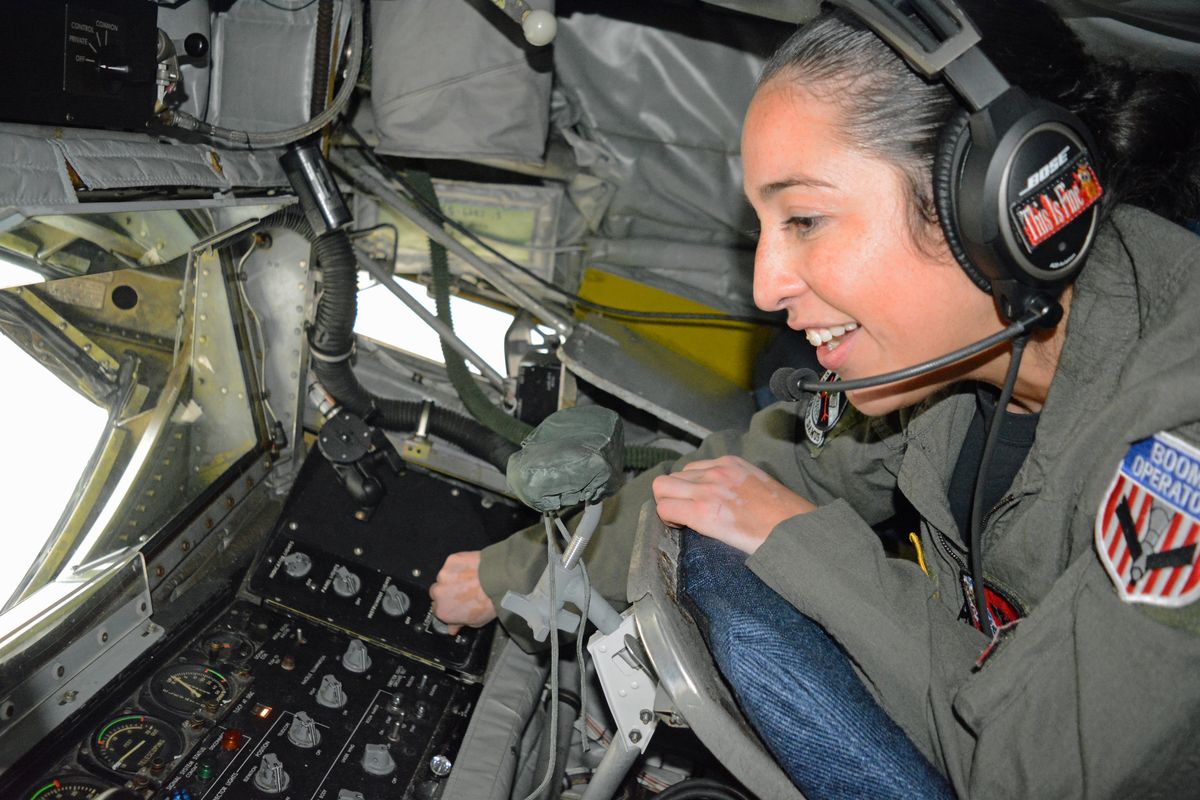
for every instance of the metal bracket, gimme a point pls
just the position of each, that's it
(629, 685)
(417, 447)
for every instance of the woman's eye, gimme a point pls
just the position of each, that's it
(802, 225)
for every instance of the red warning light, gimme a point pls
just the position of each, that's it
(231, 740)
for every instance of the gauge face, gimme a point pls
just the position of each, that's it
(226, 647)
(68, 787)
(128, 744)
(186, 687)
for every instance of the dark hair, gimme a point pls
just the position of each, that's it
(1145, 122)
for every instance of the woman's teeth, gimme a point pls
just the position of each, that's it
(830, 337)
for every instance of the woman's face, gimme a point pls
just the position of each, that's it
(836, 252)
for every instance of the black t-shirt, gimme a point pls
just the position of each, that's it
(1012, 447)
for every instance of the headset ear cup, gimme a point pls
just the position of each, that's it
(953, 144)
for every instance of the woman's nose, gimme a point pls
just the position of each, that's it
(776, 279)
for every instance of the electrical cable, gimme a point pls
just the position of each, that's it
(261, 368)
(600, 308)
(1010, 382)
(551, 556)
(583, 620)
(395, 237)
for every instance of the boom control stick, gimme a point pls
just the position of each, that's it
(576, 455)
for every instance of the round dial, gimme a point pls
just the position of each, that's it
(184, 688)
(226, 647)
(128, 744)
(68, 787)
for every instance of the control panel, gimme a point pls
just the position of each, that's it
(370, 573)
(88, 63)
(326, 678)
(263, 705)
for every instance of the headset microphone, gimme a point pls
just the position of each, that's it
(794, 384)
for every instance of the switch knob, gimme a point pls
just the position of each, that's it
(395, 602)
(303, 731)
(345, 582)
(330, 694)
(296, 564)
(377, 760)
(356, 659)
(270, 776)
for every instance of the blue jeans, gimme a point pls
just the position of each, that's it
(797, 687)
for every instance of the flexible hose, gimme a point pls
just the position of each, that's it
(322, 56)
(185, 121)
(332, 339)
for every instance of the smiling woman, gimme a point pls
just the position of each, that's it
(836, 251)
(861, 671)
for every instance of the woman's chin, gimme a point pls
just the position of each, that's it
(878, 401)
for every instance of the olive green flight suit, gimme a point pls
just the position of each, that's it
(1087, 695)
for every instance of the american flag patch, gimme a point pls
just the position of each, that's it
(1148, 524)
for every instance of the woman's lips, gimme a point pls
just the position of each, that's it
(834, 359)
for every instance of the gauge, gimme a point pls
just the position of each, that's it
(68, 787)
(184, 688)
(226, 647)
(128, 744)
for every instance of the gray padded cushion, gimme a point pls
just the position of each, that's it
(576, 455)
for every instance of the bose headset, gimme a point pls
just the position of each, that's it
(1015, 181)
(1016, 187)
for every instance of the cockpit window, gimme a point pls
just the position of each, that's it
(53, 430)
(142, 400)
(384, 318)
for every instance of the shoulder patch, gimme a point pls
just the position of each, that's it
(823, 412)
(1148, 523)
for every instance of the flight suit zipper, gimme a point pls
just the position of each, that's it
(957, 552)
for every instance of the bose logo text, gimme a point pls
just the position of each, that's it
(1050, 166)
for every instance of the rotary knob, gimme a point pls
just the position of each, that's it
(345, 582)
(377, 760)
(270, 776)
(330, 694)
(356, 659)
(395, 602)
(303, 731)
(440, 765)
(296, 564)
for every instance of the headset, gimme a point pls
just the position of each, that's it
(1015, 179)
(1016, 187)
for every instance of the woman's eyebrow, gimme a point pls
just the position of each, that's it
(775, 187)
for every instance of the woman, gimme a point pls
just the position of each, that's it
(863, 672)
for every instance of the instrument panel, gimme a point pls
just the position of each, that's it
(326, 677)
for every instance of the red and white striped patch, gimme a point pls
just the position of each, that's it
(1148, 524)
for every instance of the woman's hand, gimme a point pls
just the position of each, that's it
(727, 498)
(458, 597)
